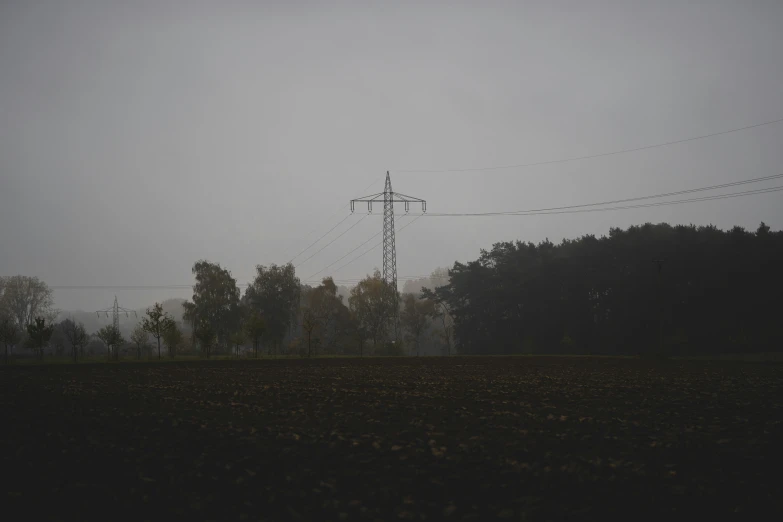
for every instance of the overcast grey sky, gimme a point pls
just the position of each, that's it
(138, 137)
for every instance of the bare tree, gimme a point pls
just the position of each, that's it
(27, 298)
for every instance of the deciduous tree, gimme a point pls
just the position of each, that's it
(173, 338)
(77, 336)
(254, 328)
(38, 334)
(237, 339)
(440, 311)
(215, 300)
(415, 317)
(140, 339)
(205, 335)
(324, 316)
(274, 294)
(9, 333)
(27, 298)
(372, 307)
(157, 323)
(112, 338)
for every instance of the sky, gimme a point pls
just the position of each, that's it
(137, 137)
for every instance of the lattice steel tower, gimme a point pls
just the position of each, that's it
(389, 248)
(115, 313)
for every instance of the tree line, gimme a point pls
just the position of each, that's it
(651, 289)
(27, 318)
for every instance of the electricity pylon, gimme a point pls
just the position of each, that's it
(115, 314)
(389, 198)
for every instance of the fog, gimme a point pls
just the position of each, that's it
(138, 137)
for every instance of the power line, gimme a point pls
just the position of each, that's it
(327, 220)
(643, 205)
(348, 279)
(379, 244)
(129, 287)
(332, 241)
(553, 210)
(640, 198)
(189, 287)
(365, 252)
(346, 255)
(355, 280)
(599, 155)
(320, 238)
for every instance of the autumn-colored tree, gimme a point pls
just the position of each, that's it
(157, 323)
(324, 316)
(371, 304)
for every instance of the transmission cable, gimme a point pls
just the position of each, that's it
(327, 220)
(379, 244)
(599, 155)
(320, 238)
(333, 240)
(346, 255)
(640, 198)
(642, 205)
(189, 286)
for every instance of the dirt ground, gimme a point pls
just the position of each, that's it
(460, 438)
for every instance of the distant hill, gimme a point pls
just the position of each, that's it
(93, 322)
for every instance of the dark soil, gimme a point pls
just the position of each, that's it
(385, 439)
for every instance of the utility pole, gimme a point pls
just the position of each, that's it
(389, 198)
(115, 316)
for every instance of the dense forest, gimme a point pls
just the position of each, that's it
(651, 289)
